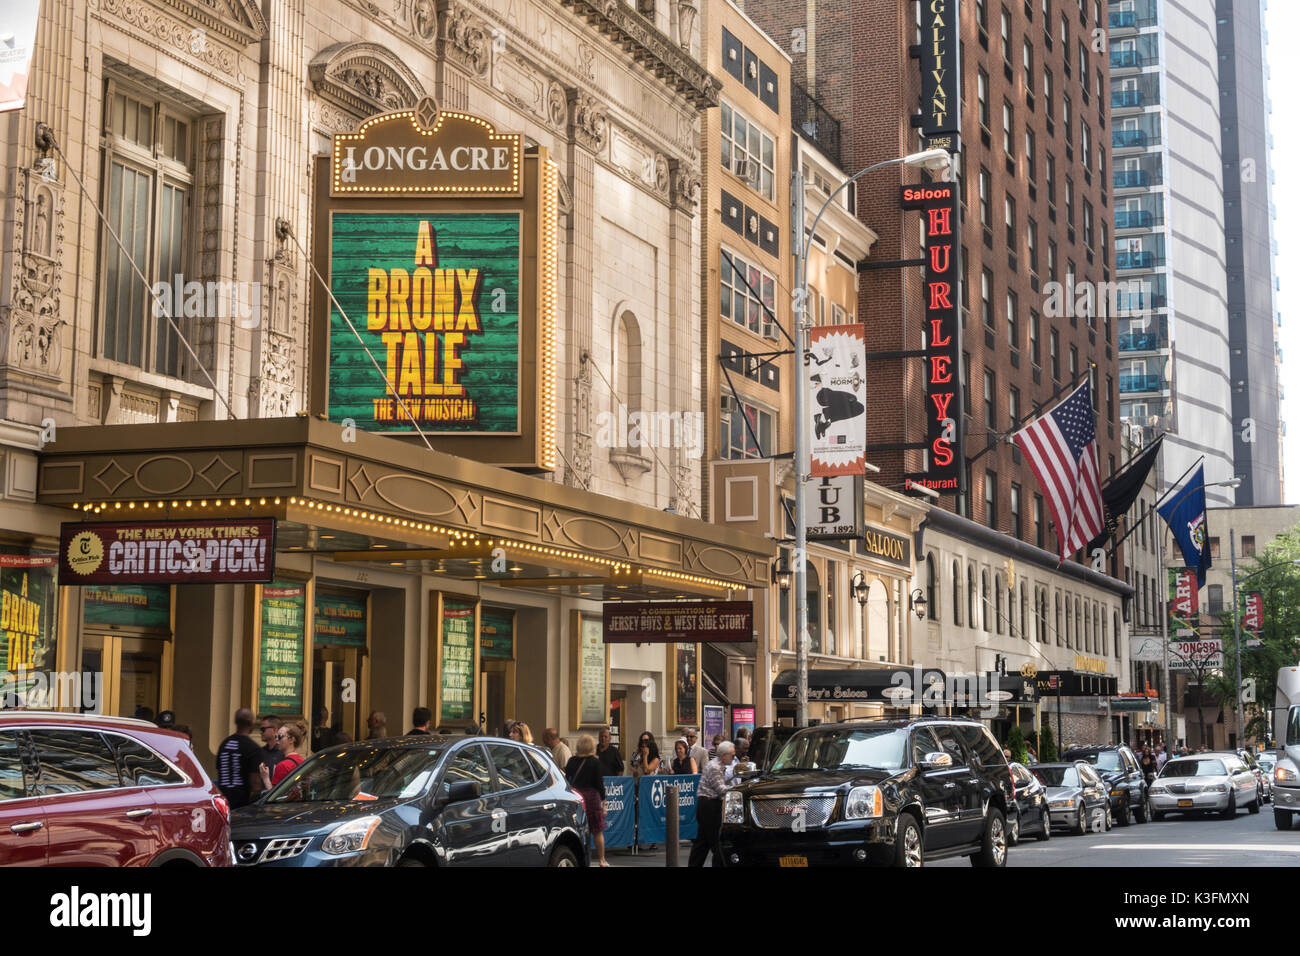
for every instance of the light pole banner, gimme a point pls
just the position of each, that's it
(1253, 619)
(1183, 603)
(837, 379)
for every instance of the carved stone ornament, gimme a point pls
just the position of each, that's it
(31, 323)
(424, 19)
(272, 392)
(364, 79)
(685, 186)
(557, 105)
(463, 37)
(589, 121)
(183, 36)
(564, 199)
(237, 20)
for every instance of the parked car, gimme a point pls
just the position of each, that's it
(1076, 796)
(1262, 776)
(1030, 814)
(88, 790)
(1126, 784)
(894, 792)
(1208, 782)
(417, 801)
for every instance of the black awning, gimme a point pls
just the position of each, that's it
(1075, 684)
(903, 687)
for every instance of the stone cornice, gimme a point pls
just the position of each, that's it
(237, 20)
(651, 48)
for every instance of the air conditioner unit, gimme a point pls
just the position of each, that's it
(728, 404)
(741, 168)
(769, 330)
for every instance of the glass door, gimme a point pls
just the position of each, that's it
(131, 676)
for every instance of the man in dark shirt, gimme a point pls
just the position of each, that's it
(607, 755)
(421, 717)
(237, 762)
(322, 735)
(270, 726)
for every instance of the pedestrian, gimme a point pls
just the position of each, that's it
(1006, 752)
(709, 793)
(166, 720)
(421, 717)
(146, 713)
(1161, 757)
(583, 772)
(742, 764)
(611, 761)
(560, 752)
(342, 738)
(520, 732)
(742, 734)
(378, 725)
(269, 726)
(646, 759)
(698, 753)
(322, 735)
(289, 741)
(713, 750)
(238, 759)
(682, 760)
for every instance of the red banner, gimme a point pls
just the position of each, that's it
(1184, 600)
(219, 551)
(1253, 620)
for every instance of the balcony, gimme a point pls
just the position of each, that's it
(1139, 303)
(1130, 59)
(1136, 260)
(1119, 99)
(1129, 382)
(1129, 138)
(811, 120)
(1131, 178)
(1142, 342)
(1134, 219)
(1123, 19)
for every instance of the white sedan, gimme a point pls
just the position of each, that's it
(1204, 783)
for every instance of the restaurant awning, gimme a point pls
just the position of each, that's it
(903, 687)
(374, 499)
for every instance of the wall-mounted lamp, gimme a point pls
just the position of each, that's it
(781, 573)
(919, 603)
(861, 590)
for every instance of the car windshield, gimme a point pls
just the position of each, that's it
(362, 773)
(1057, 776)
(842, 749)
(1105, 760)
(1194, 768)
(1267, 760)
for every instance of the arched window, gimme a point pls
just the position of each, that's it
(1024, 599)
(972, 596)
(627, 364)
(984, 600)
(997, 602)
(956, 593)
(1058, 620)
(1096, 629)
(878, 622)
(932, 596)
(1078, 623)
(1085, 641)
(1105, 636)
(814, 595)
(1115, 619)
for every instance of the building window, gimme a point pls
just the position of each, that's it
(1010, 214)
(982, 90)
(991, 498)
(971, 619)
(1088, 239)
(1214, 548)
(1013, 323)
(984, 597)
(748, 293)
(1027, 53)
(1074, 364)
(739, 439)
(986, 297)
(1008, 130)
(1050, 175)
(1069, 200)
(748, 151)
(1013, 406)
(1085, 146)
(1247, 545)
(1031, 167)
(997, 602)
(1052, 260)
(1053, 353)
(1033, 337)
(965, 378)
(1047, 92)
(148, 180)
(1031, 243)
(956, 593)
(1016, 528)
(1058, 620)
(986, 211)
(1006, 36)
(1216, 599)
(990, 403)
(932, 596)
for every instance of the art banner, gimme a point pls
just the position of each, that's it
(652, 807)
(837, 393)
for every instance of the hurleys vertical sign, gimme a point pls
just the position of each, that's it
(938, 203)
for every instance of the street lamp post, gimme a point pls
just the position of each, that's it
(932, 159)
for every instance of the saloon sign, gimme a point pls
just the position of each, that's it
(938, 202)
(438, 235)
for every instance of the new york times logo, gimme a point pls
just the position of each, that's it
(76, 910)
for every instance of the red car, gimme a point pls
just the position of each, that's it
(88, 790)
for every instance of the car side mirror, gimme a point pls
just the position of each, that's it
(936, 760)
(463, 790)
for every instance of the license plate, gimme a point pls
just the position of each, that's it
(794, 861)
(1187, 803)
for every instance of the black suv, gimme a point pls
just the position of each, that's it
(892, 792)
(1119, 769)
(417, 801)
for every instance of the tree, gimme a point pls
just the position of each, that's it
(1016, 744)
(1046, 745)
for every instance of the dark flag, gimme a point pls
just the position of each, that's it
(1185, 513)
(1122, 490)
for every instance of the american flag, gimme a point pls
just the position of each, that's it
(1062, 450)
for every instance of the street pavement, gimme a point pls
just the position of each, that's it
(1248, 840)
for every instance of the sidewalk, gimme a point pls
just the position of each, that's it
(652, 858)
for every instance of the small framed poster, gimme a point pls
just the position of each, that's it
(590, 670)
(455, 680)
(684, 684)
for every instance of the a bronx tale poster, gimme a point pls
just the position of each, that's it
(28, 595)
(435, 299)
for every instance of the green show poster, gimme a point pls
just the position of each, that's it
(435, 299)
(146, 606)
(456, 662)
(340, 619)
(282, 649)
(28, 598)
(496, 634)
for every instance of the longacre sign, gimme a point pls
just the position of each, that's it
(938, 201)
(426, 151)
(686, 622)
(222, 551)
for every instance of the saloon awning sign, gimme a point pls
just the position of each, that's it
(679, 622)
(220, 551)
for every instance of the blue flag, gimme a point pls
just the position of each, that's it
(1184, 512)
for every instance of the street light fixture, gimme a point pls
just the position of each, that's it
(781, 573)
(919, 603)
(934, 160)
(861, 590)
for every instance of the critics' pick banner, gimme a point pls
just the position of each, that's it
(837, 391)
(219, 551)
(435, 300)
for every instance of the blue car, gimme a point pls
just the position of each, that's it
(417, 801)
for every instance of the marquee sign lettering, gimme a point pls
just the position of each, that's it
(938, 203)
(940, 75)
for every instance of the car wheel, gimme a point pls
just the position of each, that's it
(1230, 810)
(563, 856)
(908, 848)
(1105, 813)
(410, 861)
(1283, 819)
(1047, 827)
(1122, 817)
(1143, 812)
(993, 851)
(1013, 830)
(1081, 823)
